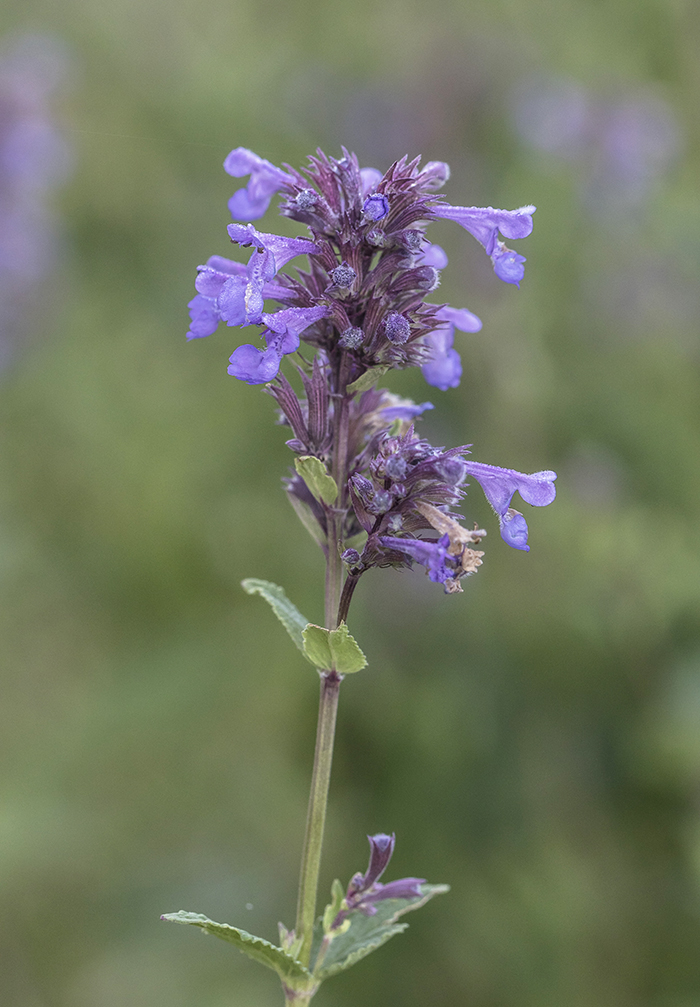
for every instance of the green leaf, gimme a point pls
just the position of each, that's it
(315, 475)
(335, 649)
(316, 646)
(345, 651)
(368, 379)
(287, 613)
(286, 967)
(367, 933)
(333, 907)
(307, 518)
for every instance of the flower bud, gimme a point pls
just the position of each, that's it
(343, 275)
(396, 328)
(376, 206)
(395, 467)
(351, 339)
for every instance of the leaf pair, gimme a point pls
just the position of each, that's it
(364, 935)
(326, 649)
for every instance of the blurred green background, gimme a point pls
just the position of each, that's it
(534, 742)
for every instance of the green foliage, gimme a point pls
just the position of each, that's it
(305, 515)
(368, 379)
(333, 907)
(287, 968)
(367, 933)
(334, 648)
(315, 475)
(287, 613)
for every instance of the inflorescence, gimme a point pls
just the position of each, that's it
(361, 309)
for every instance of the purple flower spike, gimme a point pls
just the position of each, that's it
(265, 180)
(485, 223)
(499, 485)
(376, 206)
(444, 369)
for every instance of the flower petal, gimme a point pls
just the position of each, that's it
(254, 366)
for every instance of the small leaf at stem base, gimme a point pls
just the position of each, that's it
(333, 649)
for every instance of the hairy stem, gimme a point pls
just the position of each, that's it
(316, 818)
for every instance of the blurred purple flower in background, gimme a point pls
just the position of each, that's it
(34, 160)
(624, 143)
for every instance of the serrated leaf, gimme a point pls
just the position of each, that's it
(315, 475)
(345, 651)
(367, 933)
(368, 379)
(335, 649)
(287, 613)
(316, 646)
(286, 967)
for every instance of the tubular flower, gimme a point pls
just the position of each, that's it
(499, 485)
(365, 890)
(444, 369)
(485, 223)
(265, 180)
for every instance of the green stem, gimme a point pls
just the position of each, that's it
(330, 680)
(316, 818)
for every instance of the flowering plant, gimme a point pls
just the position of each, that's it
(369, 489)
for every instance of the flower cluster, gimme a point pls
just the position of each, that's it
(361, 309)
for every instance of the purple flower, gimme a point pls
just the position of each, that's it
(485, 223)
(265, 180)
(407, 410)
(444, 369)
(434, 175)
(370, 179)
(255, 366)
(431, 555)
(432, 255)
(235, 293)
(365, 889)
(508, 265)
(499, 485)
(376, 206)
